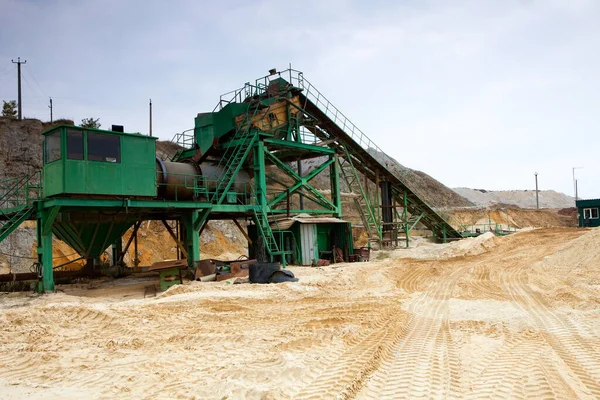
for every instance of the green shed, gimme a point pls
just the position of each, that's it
(309, 238)
(588, 214)
(80, 161)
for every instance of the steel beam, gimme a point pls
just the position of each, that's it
(45, 220)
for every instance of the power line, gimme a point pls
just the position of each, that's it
(30, 72)
(33, 90)
(6, 72)
(39, 100)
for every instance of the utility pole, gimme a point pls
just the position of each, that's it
(150, 117)
(50, 107)
(19, 62)
(575, 181)
(537, 199)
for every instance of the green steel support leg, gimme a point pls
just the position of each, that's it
(192, 237)
(44, 249)
(336, 195)
(444, 232)
(260, 180)
(282, 246)
(192, 222)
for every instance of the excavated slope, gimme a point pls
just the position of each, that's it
(520, 198)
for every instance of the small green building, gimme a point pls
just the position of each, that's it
(309, 238)
(93, 162)
(588, 212)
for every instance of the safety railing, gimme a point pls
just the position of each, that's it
(20, 192)
(319, 100)
(190, 187)
(479, 229)
(296, 78)
(185, 139)
(240, 95)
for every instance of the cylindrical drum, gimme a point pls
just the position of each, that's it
(176, 181)
(190, 181)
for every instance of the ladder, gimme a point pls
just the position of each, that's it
(334, 124)
(13, 221)
(264, 229)
(17, 201)
(363, 203)
(238, 149)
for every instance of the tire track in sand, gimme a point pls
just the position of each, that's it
(423, 362)
(562, 337)
(343, 372)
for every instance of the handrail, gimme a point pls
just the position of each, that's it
(21, 191)
(310, 92)
(296, 78)
(242, 135)
(184, 140)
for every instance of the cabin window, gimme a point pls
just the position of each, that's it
(74, 145)
(102, 147)
(590, 213)
(52, 150)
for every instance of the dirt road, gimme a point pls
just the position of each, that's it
(514, 317)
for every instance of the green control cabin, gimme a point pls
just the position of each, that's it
(97, 163)
(588, 213)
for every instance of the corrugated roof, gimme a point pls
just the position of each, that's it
(286, 223)
(584, 201)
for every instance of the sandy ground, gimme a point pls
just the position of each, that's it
(514, 317)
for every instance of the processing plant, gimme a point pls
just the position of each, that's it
(96, 185)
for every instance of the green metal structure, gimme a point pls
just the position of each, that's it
(588, 213)
(95, 185)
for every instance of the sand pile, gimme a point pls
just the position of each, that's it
(422, 249)
(481, 319)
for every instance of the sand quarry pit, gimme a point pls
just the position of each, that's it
(512, 317)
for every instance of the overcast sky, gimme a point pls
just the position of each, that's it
(478, 94)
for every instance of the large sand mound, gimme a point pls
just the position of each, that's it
(515, 317)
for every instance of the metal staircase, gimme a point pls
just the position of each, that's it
(17, 201)
(264, 229)
(362, 203)
(334, 126)
(238, 149)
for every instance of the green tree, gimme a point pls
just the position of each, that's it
(9, 109)
(90, 123)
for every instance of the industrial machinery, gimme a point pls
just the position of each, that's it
(96, 185)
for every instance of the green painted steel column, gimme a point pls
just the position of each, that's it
(192, 237)
(336, 195)
(260, 179)
(260, 189)
(44, 249)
